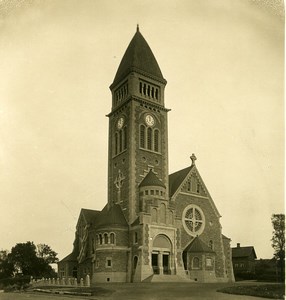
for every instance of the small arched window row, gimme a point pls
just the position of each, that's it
(149, 138)
(105, 238)
(149, 91)
(121, 93)
(120, 140)
(152, 193)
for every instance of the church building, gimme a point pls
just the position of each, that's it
(155, 226)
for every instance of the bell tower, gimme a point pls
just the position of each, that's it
(138, 132)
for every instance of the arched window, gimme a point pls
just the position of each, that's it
(135, 237)
(100, 239)
(125, 138)
(116, 143)
(105, 238)
(142, 136)
(156, 140)
(149, 138)
(120, 141)
(154, 215)
(163, 213)
(196, 263)
(112, 238)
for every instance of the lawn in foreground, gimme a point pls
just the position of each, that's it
(272, 291)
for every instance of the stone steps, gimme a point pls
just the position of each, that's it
(169, 278)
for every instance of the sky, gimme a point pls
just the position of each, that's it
(224, 63)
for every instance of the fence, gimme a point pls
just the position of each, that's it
(61, 282)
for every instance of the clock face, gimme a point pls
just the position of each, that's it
(120, 123)
(149, 120)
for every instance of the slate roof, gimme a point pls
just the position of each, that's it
(176, 179)
(198, 246)
(111, 215)
(71, 257)
(138, 56)
(151, 179)
(243, 251)
(225, 237)
(89, 215)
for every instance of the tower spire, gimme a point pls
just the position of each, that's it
(137, 28)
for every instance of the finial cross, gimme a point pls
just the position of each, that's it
(193, 158)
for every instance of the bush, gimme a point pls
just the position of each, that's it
(15, 283)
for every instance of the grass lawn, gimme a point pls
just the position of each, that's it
(272, 291)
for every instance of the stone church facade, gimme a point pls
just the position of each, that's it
(155, 226)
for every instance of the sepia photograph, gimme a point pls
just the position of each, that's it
(142, 149)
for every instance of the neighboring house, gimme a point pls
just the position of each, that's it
(154, 225)
(243, 259)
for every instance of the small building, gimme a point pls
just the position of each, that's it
(243, 260)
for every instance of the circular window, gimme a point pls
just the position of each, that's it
(193, 220)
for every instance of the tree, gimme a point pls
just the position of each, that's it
(27, 259)
(6, 267)
(278, 240)
(47, 254)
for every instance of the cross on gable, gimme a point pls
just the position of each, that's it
(119, 180)
(193, 158)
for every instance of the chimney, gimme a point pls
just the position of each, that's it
(238, 245)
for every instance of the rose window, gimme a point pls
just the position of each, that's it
(193, 220)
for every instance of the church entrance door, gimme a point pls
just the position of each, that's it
(155, 261)
(165, 263)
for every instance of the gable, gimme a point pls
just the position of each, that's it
(189, 181)
(243, 252)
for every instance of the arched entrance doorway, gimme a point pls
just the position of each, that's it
(162, 256)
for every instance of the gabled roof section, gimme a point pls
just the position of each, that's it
(138, 57)
(243, 251)
(177, 178)
(198, 246)
(88, 215)
(151, 179)
(111, 215)
(71, 257)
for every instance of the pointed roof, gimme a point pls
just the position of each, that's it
(176, 179)
(138, 57)
(111, 215)
(197, 245)
(243, 251)
(71, 257)
(151, 179)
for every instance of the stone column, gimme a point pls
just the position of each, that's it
(160, 262)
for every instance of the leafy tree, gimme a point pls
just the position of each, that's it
(27, 259)
(6, 267)
(47, 254)
(278, 240)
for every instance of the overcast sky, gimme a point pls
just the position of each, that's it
(224, 63)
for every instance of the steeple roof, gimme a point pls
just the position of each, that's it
(138, 57)
(151, 179)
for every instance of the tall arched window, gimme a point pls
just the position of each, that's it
(196, 263)
(120, 141)
(163, 213)
(116, 143)
(156, 140)
(112, 238)
(105, 238)
(154, 215)
(149, 138)
(142, 136)
(125, 138)
(100, 239)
